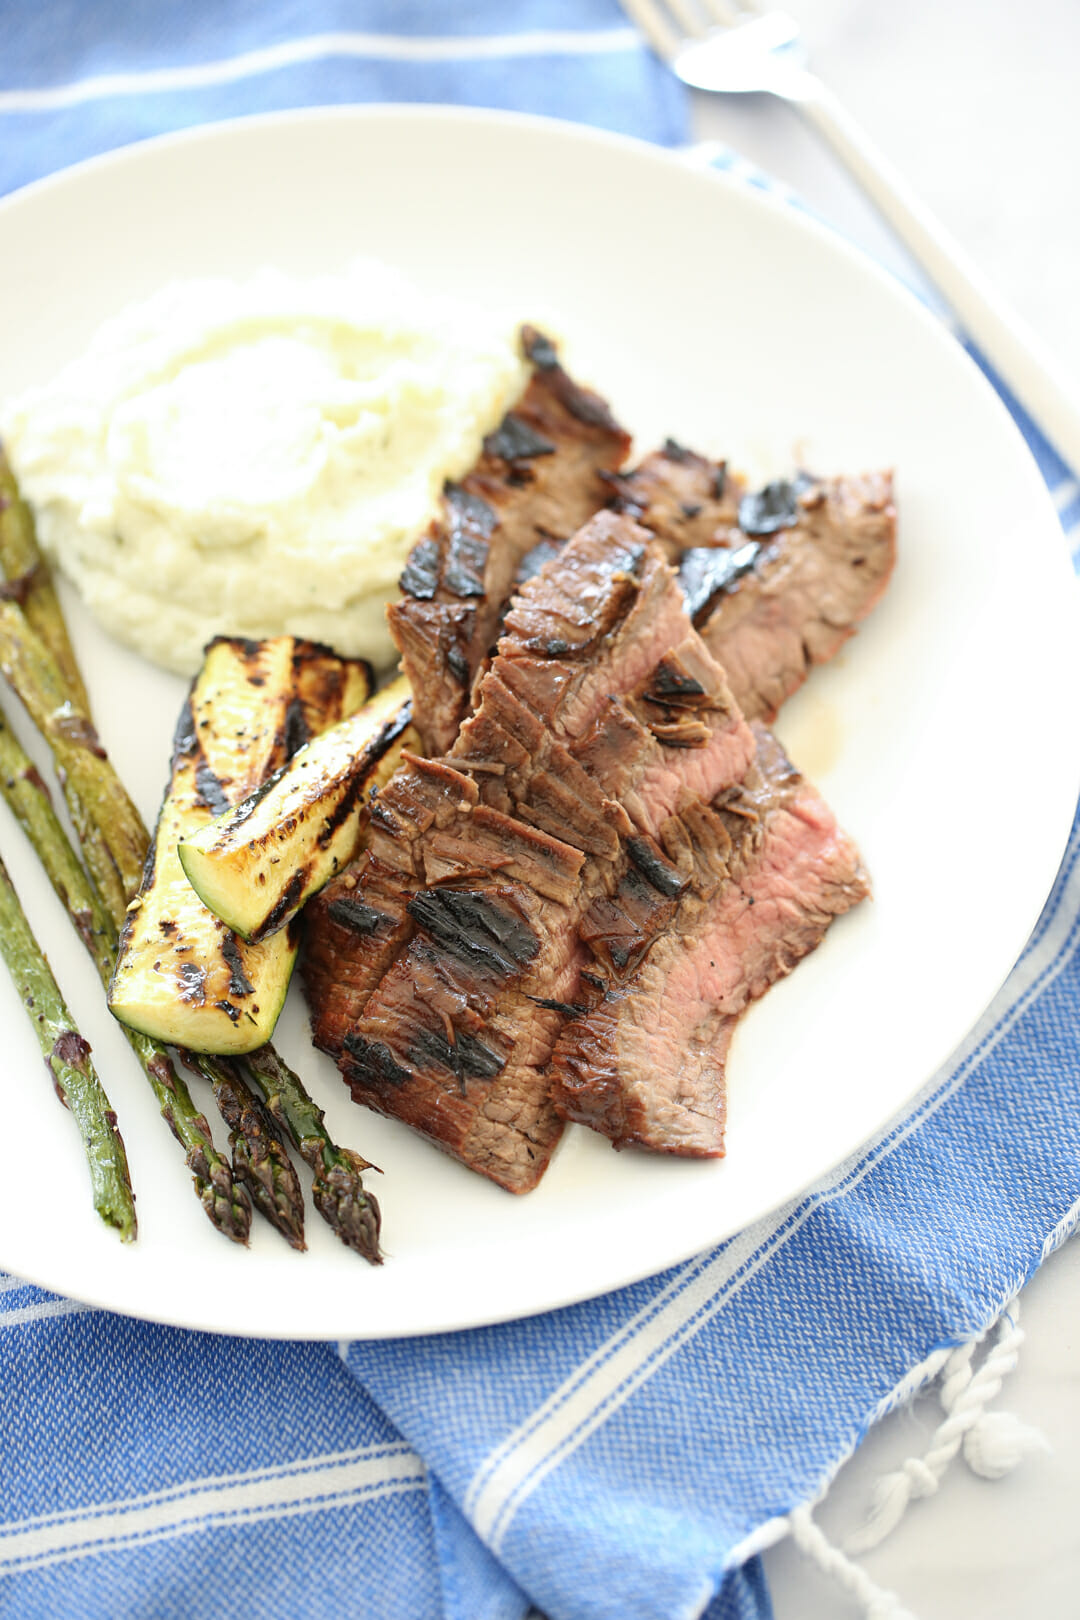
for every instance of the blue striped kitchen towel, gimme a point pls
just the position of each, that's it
(619, 1460)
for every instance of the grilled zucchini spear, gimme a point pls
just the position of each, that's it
(256, 865)
(182, 975)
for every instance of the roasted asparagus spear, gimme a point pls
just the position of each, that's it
(338, 1189)
(113, 838)
(28, 581)
(227, 1206)
(67, 1057)
(260, 1161)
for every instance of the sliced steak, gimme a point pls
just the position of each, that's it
(455, 1038)
(500, 848)
(808, 562)
(353, 930)
(766, 869)
(684, 499)
(537, 481)
(601, 650)
(776, 579)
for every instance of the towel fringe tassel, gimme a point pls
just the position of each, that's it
(876, 1602)
(992, 1444)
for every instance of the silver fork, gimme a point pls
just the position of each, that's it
(730, 46)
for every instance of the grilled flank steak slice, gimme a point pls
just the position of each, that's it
(494, 853)
(539, 478)
(256, 865)
(182, 975)
(807, 563)
(764, 871)
(776, 579)
(682, 498)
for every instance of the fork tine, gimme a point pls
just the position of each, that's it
(726, 14)
(654, 25)
(694, 20)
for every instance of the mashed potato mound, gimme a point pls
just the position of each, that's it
(257, 458)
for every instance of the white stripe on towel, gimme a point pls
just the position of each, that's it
(313, 1485)
(318, 47)
(40, 1310)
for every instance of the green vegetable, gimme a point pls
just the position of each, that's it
(182, 975)
(67, 1057)
(338, 1190)
(255, 866)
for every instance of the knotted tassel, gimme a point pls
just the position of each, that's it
(876, 1602)
(992, 1443)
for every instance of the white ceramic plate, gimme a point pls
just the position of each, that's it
(944, 735)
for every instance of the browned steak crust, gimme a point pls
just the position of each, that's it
(684, 499)
(538, 480)
(765, 871)
(790, 597)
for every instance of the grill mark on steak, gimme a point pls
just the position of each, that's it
(420, 576)
(706, 572)
(684, 499)
(535, 558)
(479, 927)
(352, 931)
(776, 579)
(770, 871)
(497, 959)
(808, 586)
(354, 915)
(537, 480)
(470, 523)
(517, 440)
(665, 878)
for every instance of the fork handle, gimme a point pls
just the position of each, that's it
(1020, 358)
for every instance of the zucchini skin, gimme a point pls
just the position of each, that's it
(182, 975)
(255, 866)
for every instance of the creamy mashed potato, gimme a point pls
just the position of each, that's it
(257, 458)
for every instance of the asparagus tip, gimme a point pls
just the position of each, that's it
(341, 1199)
(274, 1189)
(227, 1204)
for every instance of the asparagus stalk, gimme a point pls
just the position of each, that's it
(28, 581)
(338, 1189)
(226, 1205)
(110, 829)
(260, 1161)
(67, 1057)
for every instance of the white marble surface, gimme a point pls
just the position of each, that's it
(976, 101)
